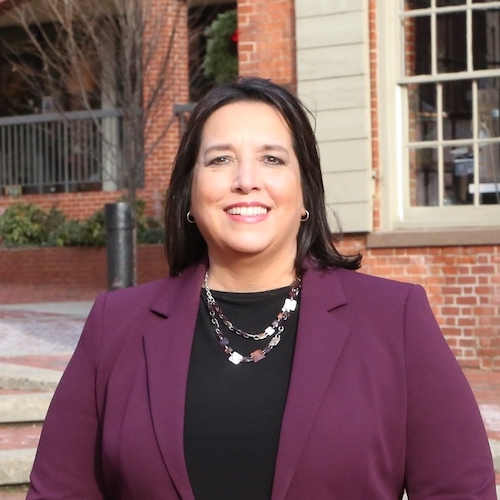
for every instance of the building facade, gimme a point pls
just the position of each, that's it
(405, 99)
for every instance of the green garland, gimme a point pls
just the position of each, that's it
(221, 59)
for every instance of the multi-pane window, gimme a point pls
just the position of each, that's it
(451, 96)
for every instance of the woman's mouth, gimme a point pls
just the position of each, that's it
(247, 211)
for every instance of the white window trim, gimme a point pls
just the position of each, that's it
(395, 212)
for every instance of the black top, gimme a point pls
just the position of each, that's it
(234, 412)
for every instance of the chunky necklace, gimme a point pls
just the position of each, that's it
(274, 330)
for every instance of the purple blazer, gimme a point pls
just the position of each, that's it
(376, 399)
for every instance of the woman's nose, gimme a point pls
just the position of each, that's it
(246, 177)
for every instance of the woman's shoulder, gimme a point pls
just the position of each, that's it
(136, 294)
(356, 280)
(359, 289)
(156, 293)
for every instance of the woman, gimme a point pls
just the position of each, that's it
(264, 366)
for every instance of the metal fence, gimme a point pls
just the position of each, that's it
(51, 153)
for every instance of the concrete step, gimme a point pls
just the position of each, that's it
(24, 407)
(21, 419)
(15, 465)
(27, 378)
(18, 444)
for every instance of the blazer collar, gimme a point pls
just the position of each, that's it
(320, 340)
(181, 291)
(168, 349)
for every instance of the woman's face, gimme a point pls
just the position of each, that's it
(246, 195)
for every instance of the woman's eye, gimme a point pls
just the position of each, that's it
(219, 160)
(274, 160)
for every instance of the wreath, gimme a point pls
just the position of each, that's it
(221, 59)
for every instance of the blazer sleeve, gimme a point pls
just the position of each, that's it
(448, 455)
(67, 463)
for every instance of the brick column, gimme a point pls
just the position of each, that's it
(266, 45)
(163, 126)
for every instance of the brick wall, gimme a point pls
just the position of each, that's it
(162, 138)
(74, 205)
(266, 45)
(69, 267)
(463, 286)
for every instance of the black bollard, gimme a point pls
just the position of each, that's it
(120, 245)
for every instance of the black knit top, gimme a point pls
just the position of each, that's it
(234, 412)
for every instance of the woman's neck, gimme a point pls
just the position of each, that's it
(250, 277)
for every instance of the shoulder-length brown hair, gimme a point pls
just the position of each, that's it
(184, 244)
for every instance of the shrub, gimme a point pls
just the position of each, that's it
(27, 224)
(24, 224)
(149, 229)
(87, 233)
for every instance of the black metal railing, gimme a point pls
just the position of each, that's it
(59, 152)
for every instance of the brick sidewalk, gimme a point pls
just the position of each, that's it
(38, 334)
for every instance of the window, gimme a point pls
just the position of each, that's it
(447, 111)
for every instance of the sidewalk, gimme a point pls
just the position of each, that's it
(42, 336)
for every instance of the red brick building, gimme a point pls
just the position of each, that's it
(405, 97)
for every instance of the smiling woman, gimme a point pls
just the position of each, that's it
(264, 367)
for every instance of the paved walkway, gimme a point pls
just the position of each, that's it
(41, 329)
(43, 335)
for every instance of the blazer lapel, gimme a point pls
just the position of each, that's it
(167, 350)
(320, 340)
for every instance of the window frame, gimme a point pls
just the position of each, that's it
(396, 212)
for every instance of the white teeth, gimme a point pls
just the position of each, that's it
(247, 211)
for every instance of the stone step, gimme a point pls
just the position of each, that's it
(27, 378)
(15, 465)
(24, 407)
(18, 444)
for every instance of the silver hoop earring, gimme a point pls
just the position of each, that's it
(305, 216)
(190, 218)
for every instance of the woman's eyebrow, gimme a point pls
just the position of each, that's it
(275, 147)
(225, 147)
(217, 147)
